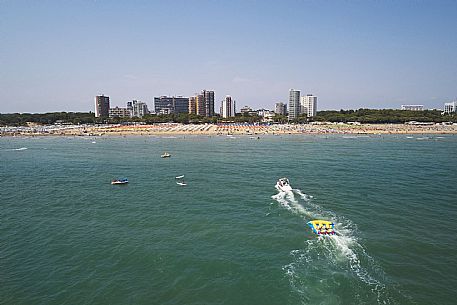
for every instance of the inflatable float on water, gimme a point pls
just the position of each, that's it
(322, 227)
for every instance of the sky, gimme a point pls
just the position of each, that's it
(58, 55)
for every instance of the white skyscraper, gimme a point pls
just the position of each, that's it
(294, 104)
(309, 105)
(228, 107)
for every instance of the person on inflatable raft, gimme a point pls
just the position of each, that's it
(322, 230)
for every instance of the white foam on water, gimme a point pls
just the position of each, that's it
(280, 198)
(342, 252)
(19, 149)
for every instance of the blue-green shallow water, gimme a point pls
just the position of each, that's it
(69, 237)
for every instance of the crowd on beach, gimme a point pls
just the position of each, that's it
(228, 129)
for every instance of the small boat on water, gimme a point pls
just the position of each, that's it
(180, 180)
(283, 185)
(165, 155)
(120, 181)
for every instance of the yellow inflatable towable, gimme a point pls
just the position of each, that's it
(322, 227)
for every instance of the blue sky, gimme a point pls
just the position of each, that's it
(57, 55)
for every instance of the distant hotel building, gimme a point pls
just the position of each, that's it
(309, 105)
(246, 109)
(192, 105)
(202, 104)
(266, 115)
(281, 108)
(294, 104)
(101, 106)
(228, 107)
(412, 107)
(119, 112)
(137, 108)
(209, 102)
(450, 107)
(134, 109)
(171, 104)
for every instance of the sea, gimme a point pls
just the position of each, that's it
(67, 236)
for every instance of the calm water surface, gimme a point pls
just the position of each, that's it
(69, 237)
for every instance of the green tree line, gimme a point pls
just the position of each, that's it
(20, 119)
(382, 116)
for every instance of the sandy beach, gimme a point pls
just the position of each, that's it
(228, 129)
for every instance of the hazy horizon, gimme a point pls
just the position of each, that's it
(57, 56)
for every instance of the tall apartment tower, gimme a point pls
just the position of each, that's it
(281, 108)
(228, 107)
(192, 105)
(101, 106)
(200, 104)
(309, 105)
(209, 102)
(294, 104)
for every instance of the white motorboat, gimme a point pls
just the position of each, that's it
(165, 155)
(181, 183)
(179, 177)
(119, 181)
(283, 185)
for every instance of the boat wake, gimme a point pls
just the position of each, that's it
(331, 269)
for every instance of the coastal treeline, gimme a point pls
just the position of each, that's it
(21, 119)
(383, 116)
(372, 116)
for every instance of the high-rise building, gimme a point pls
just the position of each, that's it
(281, 108)
(171, 104)
(139, 109)
(101, 106)
(294, 104)
(163, 105)
(192, 105)
(181, 104)
(309, 105)
(209, 102)
(200, 104)
(228, 107)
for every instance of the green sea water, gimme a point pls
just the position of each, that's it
(70, 237)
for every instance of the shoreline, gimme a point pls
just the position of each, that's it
(174, 129)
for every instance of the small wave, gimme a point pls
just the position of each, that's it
(19, 149)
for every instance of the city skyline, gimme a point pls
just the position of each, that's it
(351, 55)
